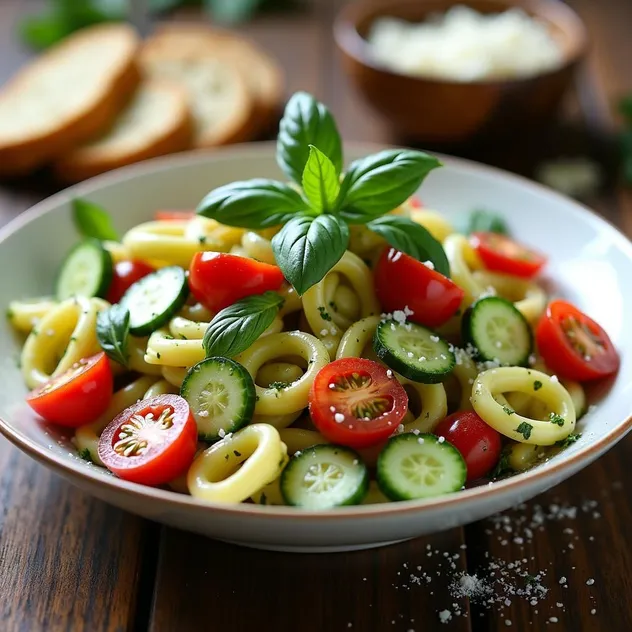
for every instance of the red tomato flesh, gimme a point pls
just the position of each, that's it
(478, 443)
(401, 281)
(501, 254)
(573, 345)
(167, 216)
(126, 273)
(218, 279)
(76, 397)
(151, 442)
(356, 402)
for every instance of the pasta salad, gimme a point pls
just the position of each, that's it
(317, 342)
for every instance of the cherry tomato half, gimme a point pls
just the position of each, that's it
(356, 402)
(501, 254)
(76, 397)
(151, 442)
(167, 216)
(401, 281)
(126, 273)
(573, 345)
(478, 443)
(218, 279)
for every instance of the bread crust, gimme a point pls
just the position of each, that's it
(18, 157)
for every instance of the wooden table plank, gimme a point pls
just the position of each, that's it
(67, 561)
(243, 590)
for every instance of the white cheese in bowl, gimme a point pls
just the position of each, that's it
(464, 45)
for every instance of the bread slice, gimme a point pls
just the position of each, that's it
(263, 74)
(66, 96)
(156, 122)
(220, 101)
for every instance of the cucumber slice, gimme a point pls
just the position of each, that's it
(419, 466)
(498, 332)
(86, 271)
(413, 351)
(221, 394)
(323, 477)
(153, 300)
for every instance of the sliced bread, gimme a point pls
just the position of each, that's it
(66, 96)
(156, 122)
(263, 74)
(218, 94)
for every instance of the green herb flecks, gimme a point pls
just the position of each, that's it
(564, 443)
(556, 419)
(525, 430)
(537, 385)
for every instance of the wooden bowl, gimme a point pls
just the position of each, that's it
(438, 110)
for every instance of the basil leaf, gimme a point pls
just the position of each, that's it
(91, 220)
(412, 239)
(306, 122)
(231, 11)
(625, 108)
(306, 248)
(381, 182)
(256, 203)
(486, 222)
(113, 332)
(234, 328)
(320, 181)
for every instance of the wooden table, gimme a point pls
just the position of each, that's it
(69, 562)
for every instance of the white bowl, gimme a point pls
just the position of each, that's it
(590, 263)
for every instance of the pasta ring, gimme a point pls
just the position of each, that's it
(277, 421)
(490, 404)
(25, 315)
(65, 335)
(257, 448)
(434, 405)
(327, 324)
(271, 401)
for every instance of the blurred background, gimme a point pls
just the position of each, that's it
(534, 86)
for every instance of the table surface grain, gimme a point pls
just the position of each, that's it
(71, 563)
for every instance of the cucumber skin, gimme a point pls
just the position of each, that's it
(108, 269)
(355, 499)
(167, 315)
(248, 385)
(467, 323)
(383, 479)
(404, 369)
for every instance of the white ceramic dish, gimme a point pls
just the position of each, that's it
(590, 263)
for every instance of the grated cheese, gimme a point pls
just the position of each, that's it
(464, 45)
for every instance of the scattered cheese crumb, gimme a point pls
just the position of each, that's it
(445, 616)
(222, 433)
(590, 582)
(339, 418)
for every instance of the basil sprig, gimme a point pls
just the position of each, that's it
(113, 332)
(316, 210)
(234, 328)
(91, 220)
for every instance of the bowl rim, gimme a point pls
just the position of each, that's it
(351, 43)
(71, 468)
